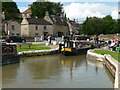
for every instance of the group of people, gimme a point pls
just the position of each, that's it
(112, 44)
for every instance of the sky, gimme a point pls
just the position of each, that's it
(80, 9)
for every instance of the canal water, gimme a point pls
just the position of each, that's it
(56, 71)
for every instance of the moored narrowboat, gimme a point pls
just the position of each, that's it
(73, 47)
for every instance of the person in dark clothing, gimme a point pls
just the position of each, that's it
(109, 45)
(96, 40)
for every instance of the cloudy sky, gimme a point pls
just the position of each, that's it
(80, 9)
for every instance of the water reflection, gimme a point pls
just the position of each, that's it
(99, 65)
(42, 68)
(56, 71)
(9, 73)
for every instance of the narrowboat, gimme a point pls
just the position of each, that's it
(74, 47)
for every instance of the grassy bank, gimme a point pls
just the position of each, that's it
(113, 54)
(32, 47)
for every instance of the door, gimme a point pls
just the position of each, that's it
(45, 35)
(60, 34)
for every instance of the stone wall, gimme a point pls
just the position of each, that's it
(16, 30)
(39, 52)
(60, 28)
(25, 30)
(109, 36)
(95, 56)
(41, 30)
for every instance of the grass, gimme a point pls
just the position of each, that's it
(32, 48)
(115, 55)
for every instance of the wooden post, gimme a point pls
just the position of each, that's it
(20, 46)
(29, 45)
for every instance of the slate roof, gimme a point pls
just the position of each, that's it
(73, 23)
(7, 21)
(27, 11)
(38, 21)
(58, 20)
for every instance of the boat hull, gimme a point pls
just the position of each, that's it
(10, 59)
(75, 51)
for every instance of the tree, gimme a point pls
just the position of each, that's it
(39, 9)
(92, 26)
(95, 26)
(11, 10)
(116, 27)
(108, 24)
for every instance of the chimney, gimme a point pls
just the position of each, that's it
(62, 15)
(3, 15)
(47, 13)
(29, 6)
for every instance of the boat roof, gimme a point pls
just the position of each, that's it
(80, 41)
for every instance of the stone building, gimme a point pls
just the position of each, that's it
(31, 27)
(60, 26)
(27, 13)
(73, 27)
(50, 25)
(12, 27)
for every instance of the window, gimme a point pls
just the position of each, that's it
(12, 34)
(36, 27)
(44, 27)
(36, 34)
(13, 27)
(17, 34)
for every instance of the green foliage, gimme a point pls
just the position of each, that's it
(96, 26)
(92, 26)
(11, 10)
(107, 24)
(39, 8)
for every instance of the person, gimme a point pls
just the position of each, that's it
(112, 45)
(96, 39)
(49, 39)
(116, 45)
(109, 45)
(80, 45)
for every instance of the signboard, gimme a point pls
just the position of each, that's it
(7, 49)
